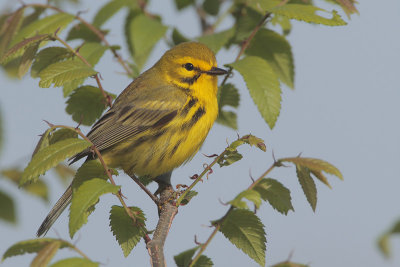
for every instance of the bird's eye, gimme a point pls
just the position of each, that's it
(188, 66)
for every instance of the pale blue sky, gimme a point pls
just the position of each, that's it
(344, 110)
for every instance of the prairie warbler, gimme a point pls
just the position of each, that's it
(159, 121)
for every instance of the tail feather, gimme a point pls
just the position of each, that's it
(55, 212)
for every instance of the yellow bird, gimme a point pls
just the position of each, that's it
(159, 121)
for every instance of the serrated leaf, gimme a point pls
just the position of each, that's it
(184, 258)
(86, 104)
(251, 195)
(227, 118)
(178, 37)
(27, 59)
(31, 246)
(245, 230)
(107, 11)
(70, 86)
(284, 22)
(263, 85)
(81, 31)
(34, 16)
(289, 264)
(127, 233)
(84, 199)
(246, 20)
(62, 134)
(228, 96)
(276, 50)
(7, 208)
(75, 262)
(276, 194)
(308, 185)
(89, 170)
(216, 41)
(212, 6)
(18, 49)
(180, 4)
(43, 141)
(50, 156)
(188, 197)
(92, 52)
(46, 25)
(230, 157)
(315, 165)
(47, 57)
(308, 13)
(10, 28)
(61, 73)
(65, 173)
(45, 255)
(254, 141)
(144, 33)
(203, 261)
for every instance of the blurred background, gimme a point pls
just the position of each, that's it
(344, 109)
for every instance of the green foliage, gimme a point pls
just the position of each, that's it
(216, 41)
(127, 232)
(250, 195)
(81, 31)
(50, 156)
(45, 255)
(289, 264)
(185, 258)
(178, 38)
(212, 6)
(277, 53)
(32, 246)
(86, 104)
(144, 33)
(62, 134)
(60, 73)
(228, 96)
(7, 208)
(180, 4)
(9, 29)
(383, 241)
(263, 85)
(84, 199)
(189, 197)
(75, 262)
(276, 194)
(47, 57)
(1, 132)
(20, 48)
(92, 52)
(308, 185)
(89, 170)
(245, 230)
(107, 11)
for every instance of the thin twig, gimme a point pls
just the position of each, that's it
(144, 188)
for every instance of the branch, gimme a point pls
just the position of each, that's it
(167, 212)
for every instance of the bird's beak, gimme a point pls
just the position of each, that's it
(216, 71)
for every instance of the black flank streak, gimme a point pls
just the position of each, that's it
(164, 120)
(197, 115)
(136, 144)
(175, 148)
(188, 106)
(191, 80)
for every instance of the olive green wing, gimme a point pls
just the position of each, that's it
(140, 111)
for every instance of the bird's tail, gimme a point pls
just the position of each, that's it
(55, 212)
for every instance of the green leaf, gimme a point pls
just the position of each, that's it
(127, 232)
(216, 41)
(254, 141)
(1, 132)
(10, 28)
(27, 59)
(86, 104)
(47, 57)
(31, 246)
(50, 156)
(178, 37)
(276, 194)
(34, 16)
(384, 245)
(308, 14)
(7, 208)
(250, 195)
(63, 72)
(227, 118)
(180, 4)
(246, 20)
(81, 31)
(62, 134)
(289, 264)
(315, 166)
(84, 199)
(92, 52)
(211, 6)
(89, 170)
(276, 50)
(70, 86)
(284, 22)
(188, 197)
(144, 33)
(45, 255)
(230, 157)
(43, 141)
(107, 11)
(203, 261)
(75, 262)
(308, 185)
(184, 258)
(228, 95)
(46, 25)
(245, 230)
(263, 85)
(18, 49)
(65, 173)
